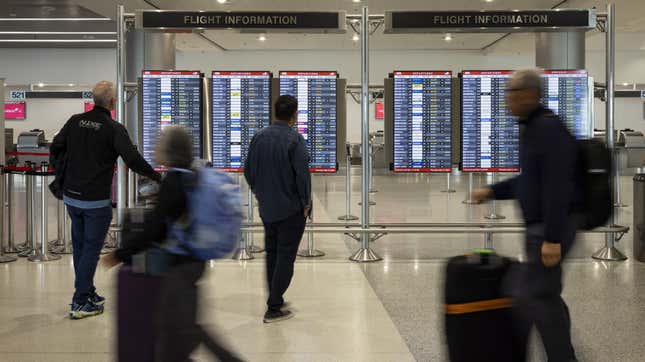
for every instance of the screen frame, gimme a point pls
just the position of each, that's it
(461, 125)
(201, 106)
(589, 104)
(210, 116)
(24, 108)
(421, 170)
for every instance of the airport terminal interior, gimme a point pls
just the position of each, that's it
(403, 108)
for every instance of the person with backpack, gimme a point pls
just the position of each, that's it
(84, 154)
(548, 192)
(277, 171)
(174, 230)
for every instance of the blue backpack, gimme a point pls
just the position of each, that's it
(211, 228)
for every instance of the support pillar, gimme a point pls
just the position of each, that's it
(560, 50)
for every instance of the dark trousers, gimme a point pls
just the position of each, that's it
(89, 228)
(281, 239)
(537, 299)
(179, 332)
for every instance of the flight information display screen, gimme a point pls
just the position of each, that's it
(241, 105)
(316, 94)
(171, 98)
(566, 92)
(489, 134)
(422, 121)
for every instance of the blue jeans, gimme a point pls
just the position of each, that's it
(89, 229)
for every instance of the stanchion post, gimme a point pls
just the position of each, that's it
(243, 252)
(28, 247)
(469, 197)
(449, 188)
(365, 253)
(43, 254)
(252, 247)
(310, 251)
(488, 240)
(371, 163)
(609, 252)
(618, 202)
(66, 237)
(493, 208)
(348, 187)
(3, 258)
(11, 246)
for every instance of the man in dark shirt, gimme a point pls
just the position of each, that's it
(277, 171)
(88, 147)
(546, 192)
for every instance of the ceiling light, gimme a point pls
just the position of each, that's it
(489, 1)
(356, 1)
(262, 37)
(71, 84)
(447, 37)
(625, 84)
(40, 85)
(221, 1)
(355, 37)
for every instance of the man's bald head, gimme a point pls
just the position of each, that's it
(104, 94)
(523, 91)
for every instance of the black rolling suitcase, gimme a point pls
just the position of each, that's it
(478, 320)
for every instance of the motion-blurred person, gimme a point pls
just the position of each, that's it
(277, 170)
(546, 193)
(178, 333)
(89, 145)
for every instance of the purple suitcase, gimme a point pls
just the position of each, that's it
(136, 315)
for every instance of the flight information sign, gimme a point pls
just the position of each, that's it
(566, 92)
(171, 98)
(422, 121)
(489, 134)
(241, 106)
(316, 94)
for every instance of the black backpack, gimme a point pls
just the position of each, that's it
(594, 167)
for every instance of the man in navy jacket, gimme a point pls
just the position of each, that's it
(546, 193)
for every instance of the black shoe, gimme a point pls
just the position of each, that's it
(277, 316)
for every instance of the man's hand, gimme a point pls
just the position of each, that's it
(551, 254)
(110, 260)
(307, 211)
(482, 194)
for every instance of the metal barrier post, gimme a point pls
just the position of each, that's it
(365, 253)
(66, 236)
(58, 242)
(252, 247)
(43, 254)
(449, 188)
(243, 252)
(609, 252)
(493, 210)
(348, 187)
(11, 246)
(310, 251)
(618, 202)
(469, 197)
(488, 240)
(371, 162)
(3, 258)
(28, 247)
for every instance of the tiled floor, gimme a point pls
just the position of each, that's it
(386, 311)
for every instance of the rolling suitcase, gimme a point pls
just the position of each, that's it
(478, 319)
(136, 313)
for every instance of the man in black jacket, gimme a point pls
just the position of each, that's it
(277, 170)
(546, 193)
(90, 144)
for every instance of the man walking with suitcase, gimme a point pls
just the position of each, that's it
(277, 170)
(546, 193)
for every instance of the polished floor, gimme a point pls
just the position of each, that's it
(385, 311)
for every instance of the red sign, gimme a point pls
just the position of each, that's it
(490, 169)
(307, 74)
(171, 72)
(411, 170)
(15, 110)
(422, 72)
(564, 71)
(487, 72)
(222, 73)
(322, 170)
(379, 111)
(90, 106)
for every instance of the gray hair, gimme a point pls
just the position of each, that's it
(103, 93)
(174, 147)
(527, 79)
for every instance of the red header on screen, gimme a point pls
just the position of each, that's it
(322, 170)
(555, 71)
(90, 106)
(412, 170)
(170, 72)
(305, 74)
(379, 110)
(240, 73)
(492, 169)
(432, 72)
(228, 169)
(487, 72)
(15, 110)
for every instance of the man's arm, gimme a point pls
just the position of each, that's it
(504, 190)
(59, 144)
(124, 147)
(300, 164)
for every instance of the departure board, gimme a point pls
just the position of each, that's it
(171, 98)
(316, 94)
(566, 92)
(422, 121)
(241, 106)
(489, 134)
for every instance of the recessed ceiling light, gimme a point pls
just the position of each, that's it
(262, 37)
(357, 1)
(221, 1)
(447, 37)
(489, 1)
(625, 84)
(355, 37)
(40, 85)
(71, 84)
